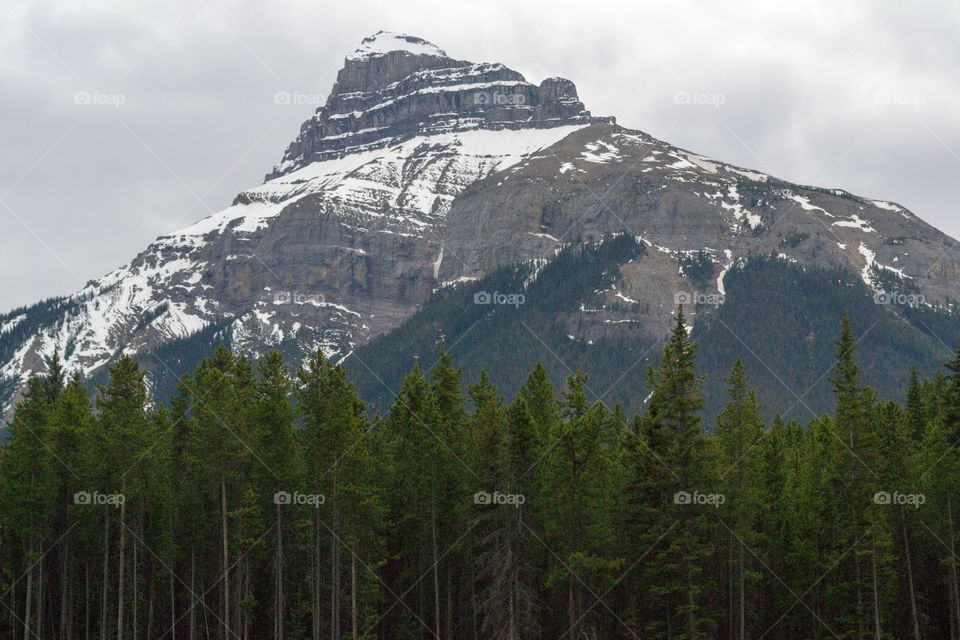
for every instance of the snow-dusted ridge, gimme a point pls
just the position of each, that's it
(369, 188)
(383, 42)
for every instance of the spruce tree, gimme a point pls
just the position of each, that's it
(740, 429)
(30, 488)
(668, 468)
(852, 483)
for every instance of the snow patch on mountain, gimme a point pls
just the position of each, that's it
(384, 42)
(739, 212)
(856, 222)
(600, 152)
(804, 203)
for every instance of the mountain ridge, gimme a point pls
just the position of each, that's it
(422, 172)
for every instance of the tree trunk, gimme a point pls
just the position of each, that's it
(226, 557)
(193, 593)
(334, 586)
(135, 609)
(512, 623)
(876, 596)
(246, 596)
(86, 602)
(955, 604)
(64, 581)
(173, 607)
(731, 608)
(436, 574)
(316, 575)
(120, 567)
(472, 585)
(914, 618)
(278, 612)
(743, 597)
(38, 628)
(150, 612)
(354, 612)
(449, 611)
(26, 617)
(106, 575)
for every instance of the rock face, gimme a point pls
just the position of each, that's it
(604, 180)
(397, 86)
(421, 171)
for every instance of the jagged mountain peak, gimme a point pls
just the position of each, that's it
(382, 43)
(395, 87)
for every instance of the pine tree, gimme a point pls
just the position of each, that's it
(940, 461)
(915, 410)
(122, 440)
(851, 481)
(279, 474)
(537, 392)
(71, 427)
(496, 569)
(668, 467)
(30, 488)
(218, 452)
(338, 460)
(445, 381)
(577, 518)
(415, 490)
(739, 430)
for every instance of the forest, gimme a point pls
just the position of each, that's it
(264, 503)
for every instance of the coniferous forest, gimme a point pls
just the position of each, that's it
(264, 503)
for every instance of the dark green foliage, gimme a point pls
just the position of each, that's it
(794, 239)
(781, 320)
(699, 267)
(152, 315)
(168, 362)
(776, 314)
(39, 316)
(261, 505)
(511, 340)
(28, 322)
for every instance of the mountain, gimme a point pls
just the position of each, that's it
(423, 177)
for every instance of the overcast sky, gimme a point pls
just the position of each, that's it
(122, 120)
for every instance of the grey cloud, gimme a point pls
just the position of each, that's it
(198, 77)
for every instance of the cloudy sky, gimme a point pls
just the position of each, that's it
(121, 121)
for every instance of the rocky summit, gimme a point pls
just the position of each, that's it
(422, 172)
(396, 86)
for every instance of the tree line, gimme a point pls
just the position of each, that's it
(260, 504)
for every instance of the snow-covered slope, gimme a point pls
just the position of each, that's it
(284, 261)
